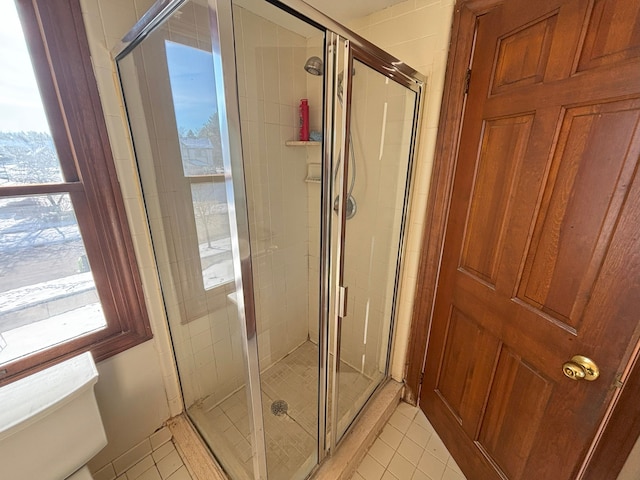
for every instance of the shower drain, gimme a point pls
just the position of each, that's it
(279, 408)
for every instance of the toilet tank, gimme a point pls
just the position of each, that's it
(50, 425)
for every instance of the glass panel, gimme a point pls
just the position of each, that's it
(27, 153)
(283, 196)
(168, 84)
(196, 111)
(382, 113)
(47, 292)
(196, 114)
(212, 225)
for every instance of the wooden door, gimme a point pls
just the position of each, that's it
(541, 256)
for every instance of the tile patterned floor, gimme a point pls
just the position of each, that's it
(291, 438)
(408, 449)
(156, 458)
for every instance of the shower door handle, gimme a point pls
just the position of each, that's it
(342, 301)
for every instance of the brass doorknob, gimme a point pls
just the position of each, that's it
(581, 367)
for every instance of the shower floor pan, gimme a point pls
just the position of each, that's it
(291, 436)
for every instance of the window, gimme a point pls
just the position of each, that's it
(69, 280)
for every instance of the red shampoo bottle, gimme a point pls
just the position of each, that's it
(304, 120)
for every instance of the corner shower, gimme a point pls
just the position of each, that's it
(280, 311)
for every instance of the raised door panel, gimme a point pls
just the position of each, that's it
(468, 362)
(514, 413)
(592, 167)
(502, 148)
(613, 35)
(523, 55)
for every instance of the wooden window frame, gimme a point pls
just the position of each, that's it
(58, 46)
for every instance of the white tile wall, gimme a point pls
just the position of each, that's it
(271, 83)
(314, 47)
(205, 329)
(141, 386)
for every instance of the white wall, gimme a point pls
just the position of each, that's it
(417, 32)
(131, 398)
(137, 390)
(271, 83)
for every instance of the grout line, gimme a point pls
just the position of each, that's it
(406, 468)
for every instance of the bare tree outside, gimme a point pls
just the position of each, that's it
(34, 228)
(47, 291)
(44, 272)
(191, 75)
(202, 157)
(210, 212)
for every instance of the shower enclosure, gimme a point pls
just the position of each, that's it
(279, 259)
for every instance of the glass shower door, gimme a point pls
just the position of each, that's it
(375, 181)
(279, 60)
(177, 94)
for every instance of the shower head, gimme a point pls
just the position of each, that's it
(314, 66)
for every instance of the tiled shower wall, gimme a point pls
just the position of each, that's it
(369, 265)
(208, 347)
(416, 31)
(271, 82)
(205, 330)
(315, 47)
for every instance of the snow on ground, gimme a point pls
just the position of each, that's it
(45, 291)
(28, 236)
(27, 339)
(221, 271)
(36, 336)
(221, 245)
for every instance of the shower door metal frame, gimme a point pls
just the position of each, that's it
(372, 58)
(382, 61)
(339, 291)
(356, 47)
(326, 202)
(221, 18)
